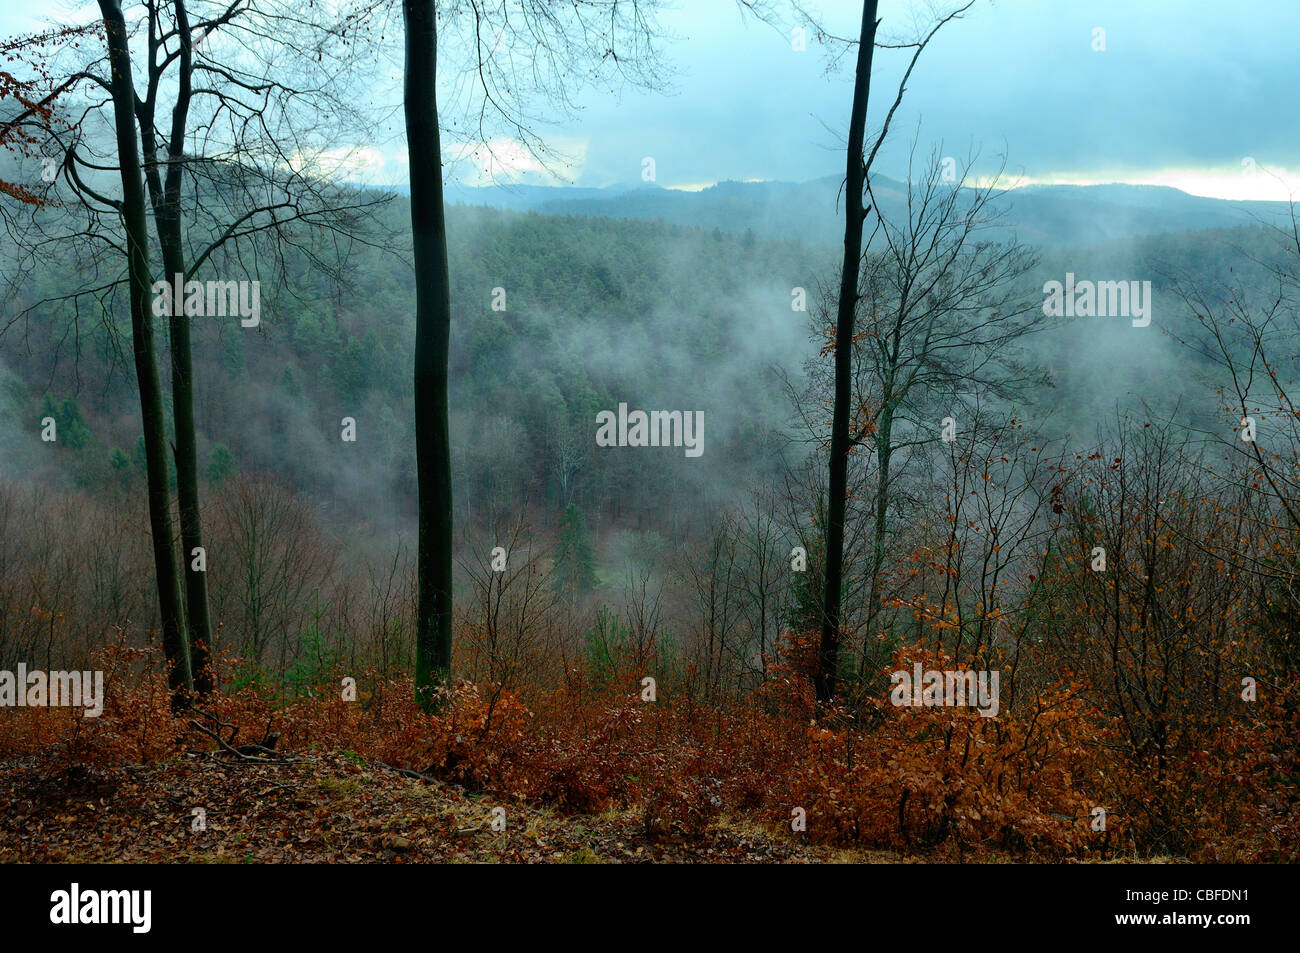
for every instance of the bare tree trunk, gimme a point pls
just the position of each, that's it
(855, 217)
(179, 677)
(884, 486)
(432, 333)
(167, 218)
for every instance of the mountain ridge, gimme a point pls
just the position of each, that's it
(1043, 215)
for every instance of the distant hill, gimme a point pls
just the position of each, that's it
(1048, 216)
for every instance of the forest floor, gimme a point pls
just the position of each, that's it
(332, 808)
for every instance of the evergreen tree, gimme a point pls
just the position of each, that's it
(575, 561)
(221, 464)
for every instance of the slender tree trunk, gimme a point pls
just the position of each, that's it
(146, 368)
(884, 482)
(855, 217)
(432, 332)
(167, 220)
(187, 484)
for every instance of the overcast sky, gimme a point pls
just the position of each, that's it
(1186, 93)
(1183, 93)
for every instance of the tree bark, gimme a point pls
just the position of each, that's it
(855, 217)
(134, 221)
(432, 333)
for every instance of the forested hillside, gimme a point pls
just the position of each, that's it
(653, 315)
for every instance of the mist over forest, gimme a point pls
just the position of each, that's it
(559, 489)
(624, 302)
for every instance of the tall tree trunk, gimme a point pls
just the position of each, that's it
(854, 219)
(167, 220)
(432, 332)
(146, 368)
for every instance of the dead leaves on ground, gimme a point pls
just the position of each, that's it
(328, 809)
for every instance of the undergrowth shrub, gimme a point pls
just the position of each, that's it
(883, 777)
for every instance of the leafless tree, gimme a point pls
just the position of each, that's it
(232, 179)
(515, 53)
